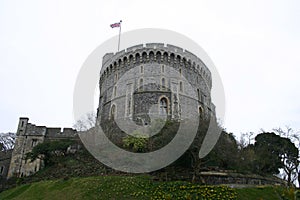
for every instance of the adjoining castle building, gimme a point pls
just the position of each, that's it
(28, 136)
(153, 79)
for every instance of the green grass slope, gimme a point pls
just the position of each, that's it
(136, 187)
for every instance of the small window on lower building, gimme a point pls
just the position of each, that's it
(34, 142)
(1, 169)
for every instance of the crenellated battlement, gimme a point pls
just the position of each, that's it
(134, 79)
(28, 129)
(155, 52)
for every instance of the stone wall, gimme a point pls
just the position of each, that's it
(232, 179)
(5, 157)
(217, 178)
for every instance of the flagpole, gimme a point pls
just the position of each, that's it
(119, 35)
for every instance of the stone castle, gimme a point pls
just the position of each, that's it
(136, 83)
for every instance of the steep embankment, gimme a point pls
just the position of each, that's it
(136, 187)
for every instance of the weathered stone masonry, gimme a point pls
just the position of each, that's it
(28, 136)
(5, 157)
(135, 79)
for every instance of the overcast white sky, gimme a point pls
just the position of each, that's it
(255, 46)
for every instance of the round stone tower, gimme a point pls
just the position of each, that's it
(153, 80)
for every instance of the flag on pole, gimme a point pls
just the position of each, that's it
(118, 24)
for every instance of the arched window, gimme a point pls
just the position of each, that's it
(137, 58)
(199, 94)
(200, 111)
(163, 106)
(125, 61)
(111, 67)
(144, 57)
(178, 59)
(189, 64)
(172, 58)
(165, 57)
(131, 59)
(158, 57)
(151, 56)
(184, 62)
(113, 112)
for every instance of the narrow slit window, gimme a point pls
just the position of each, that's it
(180, 87)
(163, 83)
(113, 112)
(115, 91)
(1, 169)
(142, 69)
(141, 84)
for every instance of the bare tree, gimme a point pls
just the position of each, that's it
(291, 169)
(85, 122)
(7, 141)
(288, 132)
(246, 139)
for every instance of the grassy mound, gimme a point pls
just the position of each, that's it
(136, 187)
